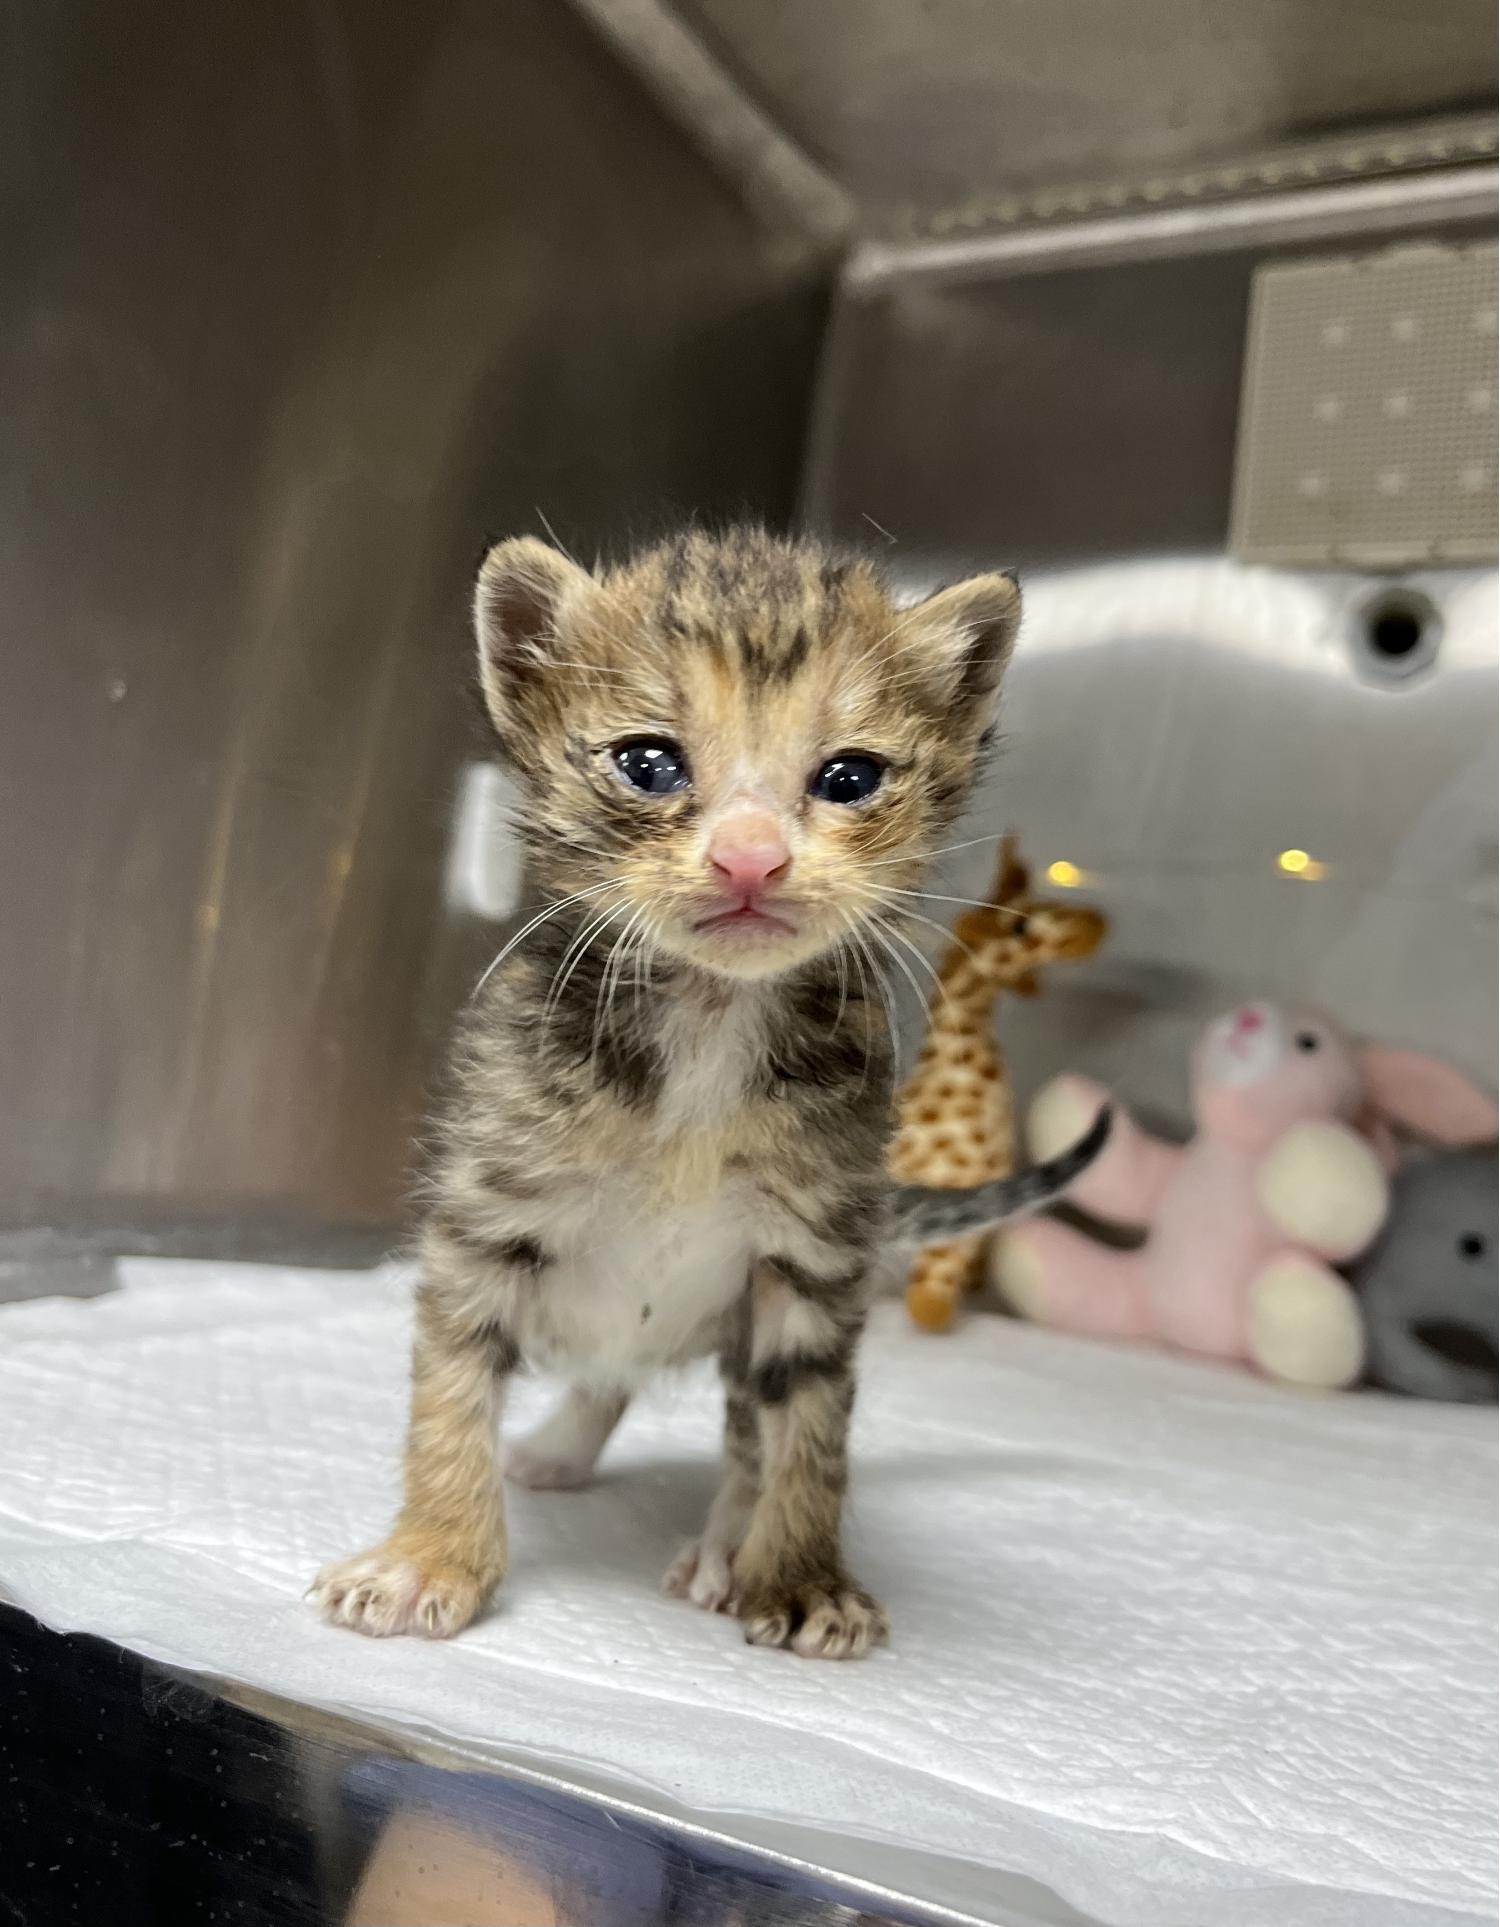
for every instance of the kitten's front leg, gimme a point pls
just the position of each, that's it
(446, 1552)
(791, 1585)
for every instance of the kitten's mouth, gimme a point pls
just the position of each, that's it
(747, 919)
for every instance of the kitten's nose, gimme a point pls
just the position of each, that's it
(748, 851)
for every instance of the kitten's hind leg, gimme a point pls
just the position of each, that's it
(561, 1453)
(704, 1570)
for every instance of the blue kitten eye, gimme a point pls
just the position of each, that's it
(847, 779)
(656, 767)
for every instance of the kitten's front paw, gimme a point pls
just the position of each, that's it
(831, 1620)
(382, 1594)
(702, 1572)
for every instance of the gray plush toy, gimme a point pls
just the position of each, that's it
(1429, 1284)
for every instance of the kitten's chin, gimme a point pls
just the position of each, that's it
(747, 949)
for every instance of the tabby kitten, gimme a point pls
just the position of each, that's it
(674, 1093)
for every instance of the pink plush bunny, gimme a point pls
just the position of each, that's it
(1285, 1179)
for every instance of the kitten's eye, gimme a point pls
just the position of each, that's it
(651, 765)
(1020, 926)
(1471, 1245)
(847, 779)
(1308, 1040)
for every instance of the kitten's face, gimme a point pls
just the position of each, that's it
(742, 751)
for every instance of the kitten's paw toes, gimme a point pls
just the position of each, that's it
(703, 1574)
(713, 1582)
(845, 1626)
(381, 1594)
(678, 1577)
(830, 1621)
(544, 1471)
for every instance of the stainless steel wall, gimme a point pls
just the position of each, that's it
(297, 307)
(952, 104)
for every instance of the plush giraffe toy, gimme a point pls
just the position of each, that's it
(955, 1118)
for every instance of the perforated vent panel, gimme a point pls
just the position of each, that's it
(1367, 421)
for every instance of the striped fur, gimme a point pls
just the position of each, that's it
(923, 1216)
(661, 1144)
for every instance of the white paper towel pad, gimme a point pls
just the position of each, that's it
(1190, 1650)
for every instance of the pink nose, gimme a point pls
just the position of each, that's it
(748, 852)
(1249, 1019)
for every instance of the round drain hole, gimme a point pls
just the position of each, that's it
(1396, 632)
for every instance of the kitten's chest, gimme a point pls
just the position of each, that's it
(642, 1286)
(709, 1121)
(655, 1244)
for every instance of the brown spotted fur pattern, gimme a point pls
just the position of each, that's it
(955, 1117)
(667, 1142)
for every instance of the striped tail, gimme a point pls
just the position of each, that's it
(932, 1217)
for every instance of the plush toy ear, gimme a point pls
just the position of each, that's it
(524, 592)
(1425, 1096)
(969, 631)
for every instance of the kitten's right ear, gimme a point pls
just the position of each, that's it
(971, 630)
(525, 593)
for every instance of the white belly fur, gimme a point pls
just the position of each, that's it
(637, 1287)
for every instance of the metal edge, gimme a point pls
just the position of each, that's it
(1241, 485)
(314, 1722)
(1346, 212)
(1445, 140)
(735, 134)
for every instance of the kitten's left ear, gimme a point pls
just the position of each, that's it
(523, 601)
(973, 628)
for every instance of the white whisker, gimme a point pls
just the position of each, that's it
(609, 983)
(895, 930)
(542, 916)
(884, 934)
(937, 896)
(947, 849)
(882, 986)
(644, 955)
(575, 951)
(599, 1002)
(943, 930)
